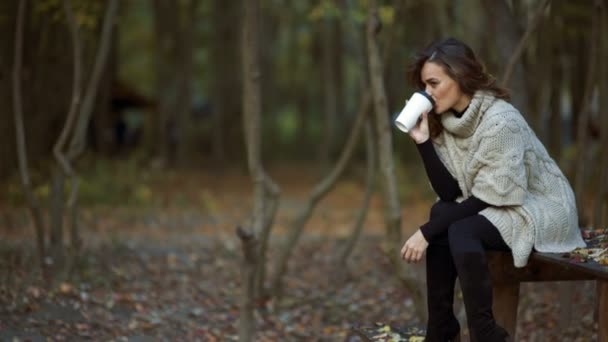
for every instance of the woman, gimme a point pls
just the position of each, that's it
(498, 189)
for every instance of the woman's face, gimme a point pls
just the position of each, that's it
(443, 89)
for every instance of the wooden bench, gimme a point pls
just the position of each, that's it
(542, 267)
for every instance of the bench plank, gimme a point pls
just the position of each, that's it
(542, 267)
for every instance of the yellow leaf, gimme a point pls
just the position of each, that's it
(65, 288)
(385, 328)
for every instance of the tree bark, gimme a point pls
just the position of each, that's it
(601, 196)
(328, 79)
(248, 271)
(392, 211)
(20, 134)
(252, 123)
(57, 211)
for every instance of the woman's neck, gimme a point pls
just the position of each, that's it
(461, 106)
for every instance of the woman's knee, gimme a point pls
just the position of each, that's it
(439, 207)
(464, 229)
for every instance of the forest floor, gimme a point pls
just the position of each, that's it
(170, 271)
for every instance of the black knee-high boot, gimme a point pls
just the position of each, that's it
(442, 325)
(467, 239)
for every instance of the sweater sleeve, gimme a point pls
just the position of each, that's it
(450, 214)
(442, 181)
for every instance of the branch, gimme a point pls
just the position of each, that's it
(73, 111)
(523, 42)
(78, 142)
(317, 193)
(370, 150)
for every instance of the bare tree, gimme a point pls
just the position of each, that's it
(32, 201)
(75, 128)
(266, 192)
(392, 210)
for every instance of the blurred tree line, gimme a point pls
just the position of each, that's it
(171, 89)
(179, 64)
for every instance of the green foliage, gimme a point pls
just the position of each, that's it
(137, 46)
(387, 14)
(114, 183)
(287, 123)
(323, 10)
(104, 182)
(88, 13)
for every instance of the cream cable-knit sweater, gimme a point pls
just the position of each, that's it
(495, 156)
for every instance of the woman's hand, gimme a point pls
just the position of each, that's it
(414, 247)
(420, 132)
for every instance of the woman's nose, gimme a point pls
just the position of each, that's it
(427, 90)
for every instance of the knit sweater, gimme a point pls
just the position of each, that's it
(496, 157)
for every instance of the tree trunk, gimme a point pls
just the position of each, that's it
(7, 50)
(165, 26)
(582, 146)
(392, 210)
(224, 79)
(601, 196)
(329, 81)
(248, 272)
(252, 122)
(57, 210)
(186, 77)
(577, 83)
(555, 119)
(21, 141)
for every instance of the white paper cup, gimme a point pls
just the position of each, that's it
(419, 103)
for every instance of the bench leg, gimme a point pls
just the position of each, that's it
(506, 300)
(602, 302)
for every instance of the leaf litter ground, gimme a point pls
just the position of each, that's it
(172, 273)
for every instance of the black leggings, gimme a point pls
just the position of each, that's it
(461, 253)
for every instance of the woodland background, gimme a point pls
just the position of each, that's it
(136, 136)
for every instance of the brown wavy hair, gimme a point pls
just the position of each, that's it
(460, 63)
